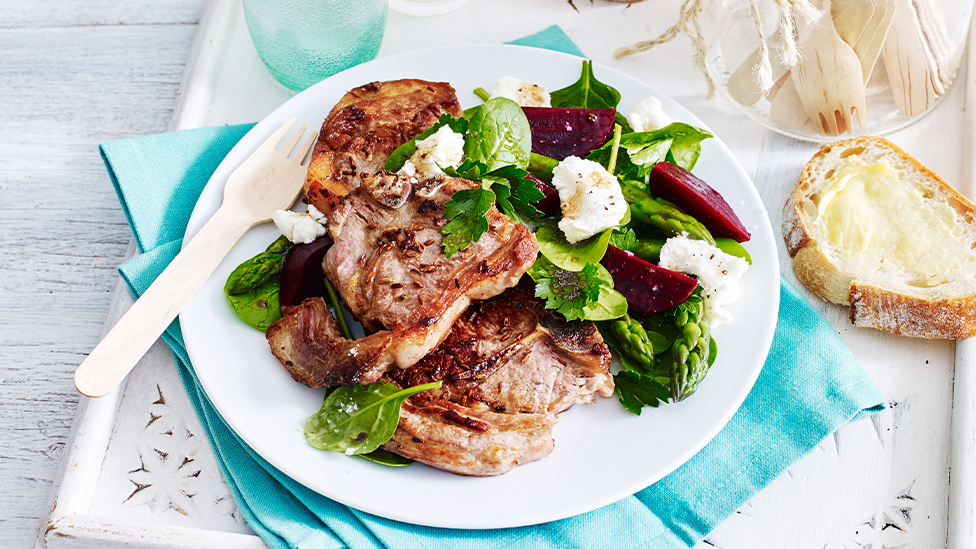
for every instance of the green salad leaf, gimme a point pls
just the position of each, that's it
(509, 186)
(585, 294)
(571, 257)
(357, 419)
(731, 247)
(499, 135)
(587, 93)
(637, 390)
(515, 194)
(252, 288)
(624, 238)
(677, 142)
(467, 211)
(385, 457)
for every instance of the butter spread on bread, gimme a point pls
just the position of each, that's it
(870, 227)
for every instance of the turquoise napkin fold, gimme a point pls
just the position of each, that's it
(809, 386)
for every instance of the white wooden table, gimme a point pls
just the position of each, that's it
(75, 73)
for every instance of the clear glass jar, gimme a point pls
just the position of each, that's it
(917, 46)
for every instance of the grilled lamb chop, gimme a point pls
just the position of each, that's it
(365, 127)
(508, 367)
(388, 266)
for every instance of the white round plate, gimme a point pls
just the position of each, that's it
(603, 453)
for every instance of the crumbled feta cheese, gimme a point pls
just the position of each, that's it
(589, 196)
(297, 227)
(443, 149)
(316, 214)
(716, 270)
(648, 115)
(524, 93)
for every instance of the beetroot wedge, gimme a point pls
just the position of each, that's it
(558, 133)
(647, 287)
(301, 273)
(694, 196)
(549, 205)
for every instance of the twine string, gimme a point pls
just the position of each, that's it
(784, 38)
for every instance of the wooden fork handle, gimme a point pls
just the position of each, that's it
(119, 351)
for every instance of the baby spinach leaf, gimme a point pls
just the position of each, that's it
(586, 93)
(403, 153)
(571, 257)
(677, 141)
(385, 457)
(731, 247)
(357, 419)
(610, 303)
(499, 135)
(542, 166)
(258, 307)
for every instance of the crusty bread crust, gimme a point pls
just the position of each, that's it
(882, 301)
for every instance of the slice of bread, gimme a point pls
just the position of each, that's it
(895, 241)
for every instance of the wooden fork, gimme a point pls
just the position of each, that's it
(829, 79)
(266, 181)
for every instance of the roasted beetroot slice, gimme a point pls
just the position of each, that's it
(301, 274)
(676, 184)
(647, 287)
(558, 133)
(549, 205)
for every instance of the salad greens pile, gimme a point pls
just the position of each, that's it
(664, 355)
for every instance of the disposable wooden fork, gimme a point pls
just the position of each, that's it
(829, 79)
(268, 180)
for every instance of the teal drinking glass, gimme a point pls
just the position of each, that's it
(304, 41)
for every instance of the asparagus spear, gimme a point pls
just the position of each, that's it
(259, 269)
(662, 214)
(689, 354)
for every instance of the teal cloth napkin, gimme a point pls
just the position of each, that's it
(809, 386)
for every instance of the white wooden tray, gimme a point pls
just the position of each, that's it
(137, 472)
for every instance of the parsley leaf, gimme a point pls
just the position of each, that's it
(586, 294)
(624, 238)
(566, 291)
(637, 390)
(508, 185)
(519, 194)
(467, 210)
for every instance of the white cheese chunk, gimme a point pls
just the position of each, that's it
(297, 227)
(718, 272)
(589, 196)
(526, 94)
(648, 115)
(316, 214)
(443, 149)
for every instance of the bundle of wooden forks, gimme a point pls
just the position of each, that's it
(825, 90)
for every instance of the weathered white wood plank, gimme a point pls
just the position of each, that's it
(72, 13)
(72, 74)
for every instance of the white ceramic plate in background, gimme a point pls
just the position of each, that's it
(602, 454)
